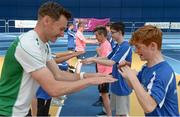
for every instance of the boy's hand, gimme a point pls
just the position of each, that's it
(124, 63)
(127, 72)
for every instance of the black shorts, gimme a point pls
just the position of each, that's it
(103, 88)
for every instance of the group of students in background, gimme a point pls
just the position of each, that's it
(154, 85)
(156, 93)
(110, 55)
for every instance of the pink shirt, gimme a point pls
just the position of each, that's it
(80, 41)
(104, 50)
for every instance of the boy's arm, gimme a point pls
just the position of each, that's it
(61, 54)
(91, 41)
(68, 56)
(146, 101)
(104, 61)
(99, 60)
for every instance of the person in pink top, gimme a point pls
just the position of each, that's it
(103, 51)
(81, 42)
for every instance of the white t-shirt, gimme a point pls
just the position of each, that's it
(27, 54)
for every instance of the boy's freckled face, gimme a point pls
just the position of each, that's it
(142, 51)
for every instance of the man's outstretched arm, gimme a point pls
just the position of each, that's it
(57, 88)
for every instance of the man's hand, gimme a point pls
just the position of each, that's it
(89, 75)
(101, 80)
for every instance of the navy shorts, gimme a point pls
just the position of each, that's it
(103, 88)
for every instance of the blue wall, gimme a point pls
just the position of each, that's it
(126, 10)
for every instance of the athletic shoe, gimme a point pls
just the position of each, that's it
(98, 103)
(101, 114)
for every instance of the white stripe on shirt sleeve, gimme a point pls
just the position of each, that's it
(125, 55)
(171, 79)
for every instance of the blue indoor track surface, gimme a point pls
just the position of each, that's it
(80, 104)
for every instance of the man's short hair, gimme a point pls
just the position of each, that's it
(146, 35)
(101, 30)
(118, 26)
(53, 10)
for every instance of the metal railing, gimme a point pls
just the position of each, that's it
(9, 26)
(2, 25)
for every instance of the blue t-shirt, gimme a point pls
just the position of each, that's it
(160, 82)
(42, 94)
(111, 41)
(120, 52)
(71, 37)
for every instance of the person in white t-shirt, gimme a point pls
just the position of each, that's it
(28, 64)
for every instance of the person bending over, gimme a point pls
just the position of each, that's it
(28, 64)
